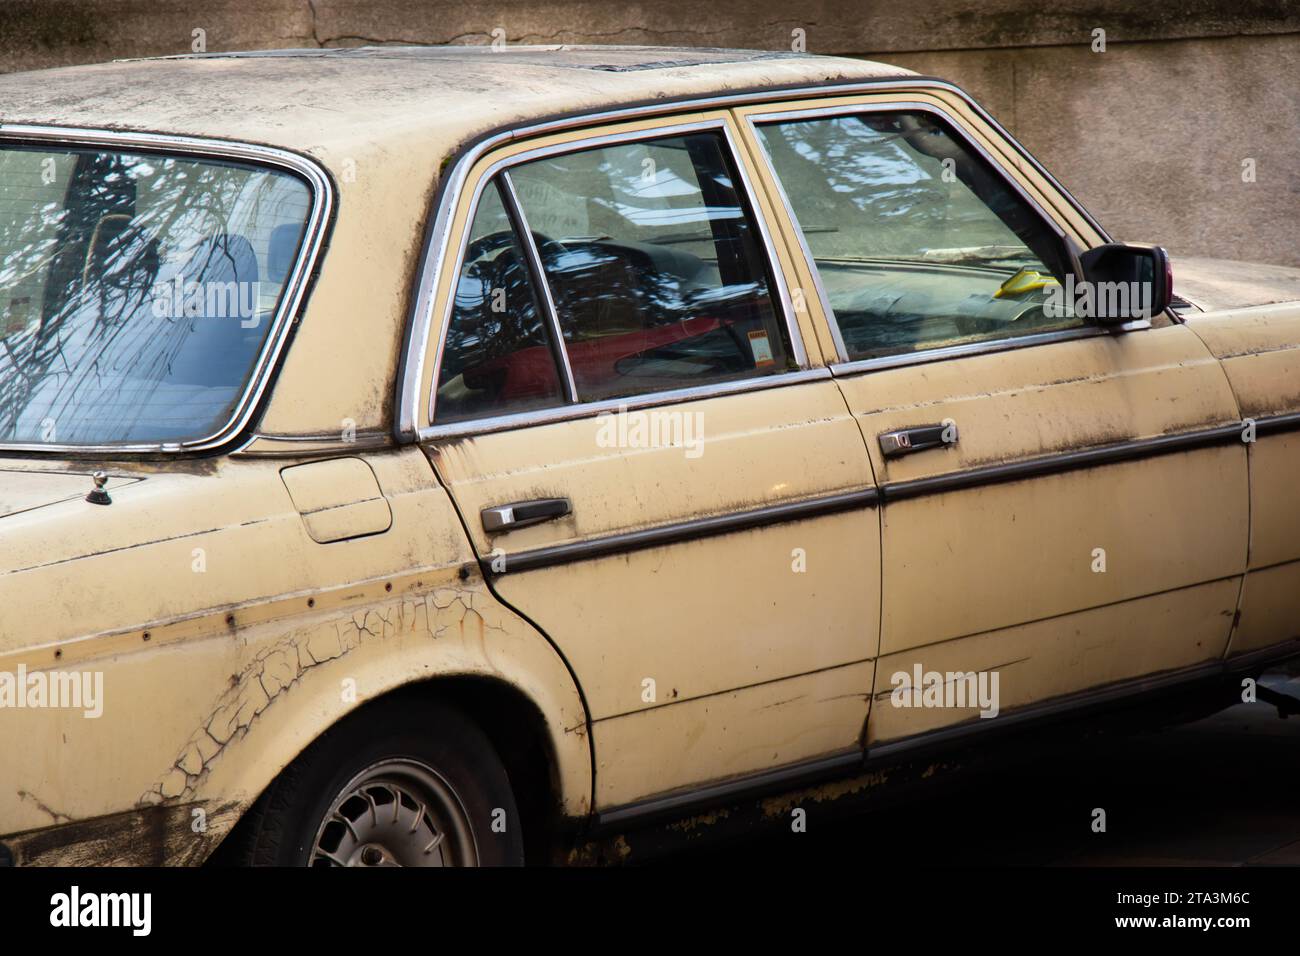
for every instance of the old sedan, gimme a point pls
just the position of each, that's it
(454, 456)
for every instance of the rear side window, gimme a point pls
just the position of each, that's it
(655, 279)
(919, 244)
(137, 291)
(655, 266)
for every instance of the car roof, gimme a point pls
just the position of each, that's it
(383, 120)
(335, 99)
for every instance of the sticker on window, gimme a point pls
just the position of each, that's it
(761, 348)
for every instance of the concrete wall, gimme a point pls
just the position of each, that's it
(1150, 134)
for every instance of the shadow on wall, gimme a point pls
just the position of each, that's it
(1173, 124)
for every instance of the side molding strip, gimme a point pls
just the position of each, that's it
(873, 497)
(1063, 462)
(686, 530)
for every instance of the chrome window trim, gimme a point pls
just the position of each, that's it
(850, 109)
(565, 413)
(985, 347)
(295, 284)
(926, 356)
(407, 426)
(502, 166)
(537, 273)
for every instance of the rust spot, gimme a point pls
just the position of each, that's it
(700, 820)
(780, 806)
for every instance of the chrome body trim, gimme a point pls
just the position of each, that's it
(564, 413)
(969, 348)
(295, 285)
(519, 221)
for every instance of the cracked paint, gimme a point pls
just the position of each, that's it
(55, 815)
(277, 669)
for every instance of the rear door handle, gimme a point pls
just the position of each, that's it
(904, 441)
(523, 513)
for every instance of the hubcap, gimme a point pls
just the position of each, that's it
(396, 813)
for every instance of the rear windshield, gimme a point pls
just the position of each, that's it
(137, 291)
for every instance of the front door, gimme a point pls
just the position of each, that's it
(1061, 508)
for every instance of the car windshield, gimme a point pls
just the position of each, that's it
(137, 291)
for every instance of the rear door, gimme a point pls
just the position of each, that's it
(1064, 507)
(650, 462)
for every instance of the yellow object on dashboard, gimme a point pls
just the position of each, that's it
(1026, 280)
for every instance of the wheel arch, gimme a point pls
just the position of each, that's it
(506, 678)
(514, 724)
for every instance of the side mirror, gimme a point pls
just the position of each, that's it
(1125, 281)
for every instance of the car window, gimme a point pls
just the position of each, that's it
(655, 266)
(918, 242)
(497, 358)
(137, 291)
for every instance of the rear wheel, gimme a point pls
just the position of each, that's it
(402, 783)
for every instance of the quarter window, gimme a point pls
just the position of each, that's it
(919, 244)
(498, 355)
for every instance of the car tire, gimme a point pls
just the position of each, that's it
(404, 782)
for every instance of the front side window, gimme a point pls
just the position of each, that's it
(137, 291)
(918, 242)
(654, 264)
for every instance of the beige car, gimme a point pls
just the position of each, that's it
(454, 455)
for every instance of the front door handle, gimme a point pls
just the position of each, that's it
(523, 513)
(904, 441)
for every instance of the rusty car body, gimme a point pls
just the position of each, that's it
(389, 564)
